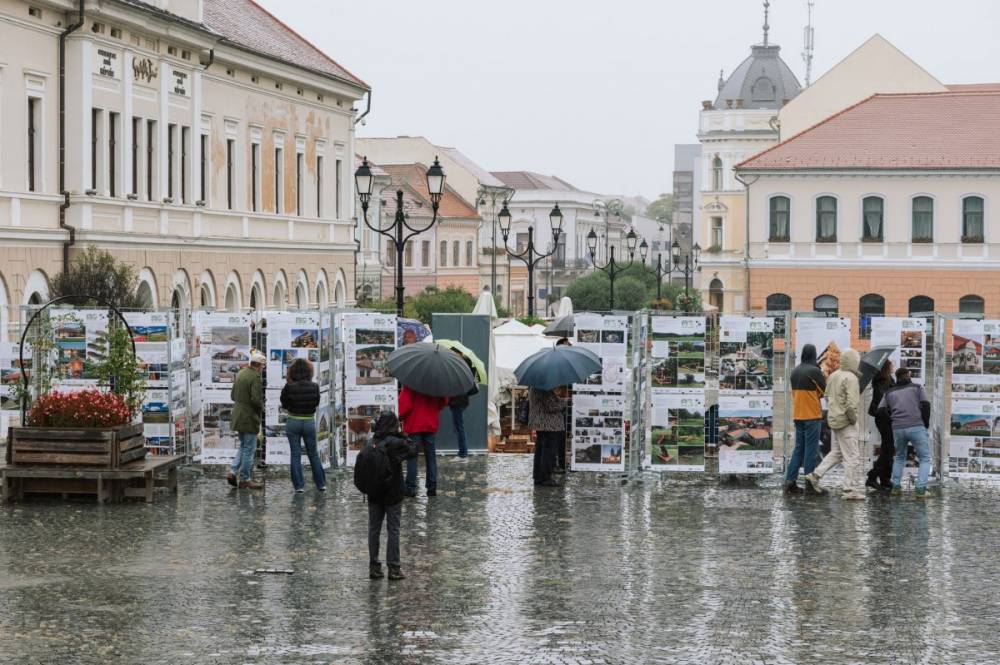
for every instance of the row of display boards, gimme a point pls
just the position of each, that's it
(646, 409)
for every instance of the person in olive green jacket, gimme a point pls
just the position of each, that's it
(248, 402)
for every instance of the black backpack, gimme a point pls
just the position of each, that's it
(373, 470)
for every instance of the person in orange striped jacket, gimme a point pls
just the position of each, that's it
(808, 388)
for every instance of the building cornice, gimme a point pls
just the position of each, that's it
(881, 263)
(870, 172)
(154, 242)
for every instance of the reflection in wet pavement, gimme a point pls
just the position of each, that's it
(678, 571)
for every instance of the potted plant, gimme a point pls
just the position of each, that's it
(89, 427)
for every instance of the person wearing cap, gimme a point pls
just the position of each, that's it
(248, 401)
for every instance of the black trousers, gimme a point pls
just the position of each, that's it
(882, 468)
(546, 446)
(377, 512)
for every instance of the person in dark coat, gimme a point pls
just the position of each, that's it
(388, 507)
(880, 476)
(547, 416)
(458, 404)
(299, 398)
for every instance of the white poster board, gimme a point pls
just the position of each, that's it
(975, 368)
(746, 440)
(162, 362)
(746, 395)
(598, 432)
(974, 453)
(368, 339)
(10, 376)
(223, 349)
(830, 336)
(909, 337)
(80, 337)
(607, 337)
(677, 434)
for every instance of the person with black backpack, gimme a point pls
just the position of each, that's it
(378, 474)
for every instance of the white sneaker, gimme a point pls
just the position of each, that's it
(813, 480)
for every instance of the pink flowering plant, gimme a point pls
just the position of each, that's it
(86, 408)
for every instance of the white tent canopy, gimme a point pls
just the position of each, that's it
(486, 305)
(516, 341)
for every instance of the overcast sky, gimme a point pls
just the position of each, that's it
(598, 91)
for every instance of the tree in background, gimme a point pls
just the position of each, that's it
(662, 208)
(593, 292)
(453, 300)
(95, 273)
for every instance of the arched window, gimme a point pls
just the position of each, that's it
(456, 248)
(971, 305)
(826, 219)
(301, 297)
(715, 294)
(443, 254)
(279, 296)
(322, 300)
(780, 207)
(206, 299)
(779, 302)
(232, 299)
(920, 305)
(869, 306)
(923, 219)
(972, 219)
(873, 213)
(468, 252)
(144, 295)
(717, 174)
(255, 296)
(826, 304)
(763, 90)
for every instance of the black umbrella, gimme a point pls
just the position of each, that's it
(558, 366)
(561, 327)
(872, 362)
(431, 369)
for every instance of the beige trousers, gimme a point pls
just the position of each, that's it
(845, 447)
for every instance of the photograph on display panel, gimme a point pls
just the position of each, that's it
(975, 369)
(974, 450)
(677, 434)
(746, 438)
(746, 354)
(598, 429)
(607, 337)
(830, 336)
(909, 338)
(80, 338)
(11, 375)
(678, 354)
(369, 338)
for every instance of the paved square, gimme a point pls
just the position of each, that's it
(683, 571)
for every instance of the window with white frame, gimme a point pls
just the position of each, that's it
(716, 233)
(973, 208)
(872, 218)
(780, 207)
(923, 219)
(826, 219)
(114, 126)
(279, 173)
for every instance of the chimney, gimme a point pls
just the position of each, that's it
(706, 105)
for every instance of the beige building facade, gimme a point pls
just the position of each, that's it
(216, 158)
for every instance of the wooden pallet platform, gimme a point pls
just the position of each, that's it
(133, 480)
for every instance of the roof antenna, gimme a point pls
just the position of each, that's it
(767, 5)
(809, 43)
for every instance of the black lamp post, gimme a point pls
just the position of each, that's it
(529, 255)
(400, 230)
(674, 265)
(494, 194)
(612, 268)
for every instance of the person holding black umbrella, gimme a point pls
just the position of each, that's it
(547, 416)
(421, 415)
(880, 476)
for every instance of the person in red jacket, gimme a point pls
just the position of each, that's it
(421, 414)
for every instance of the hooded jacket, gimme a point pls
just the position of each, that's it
(808, 387)
(420, 413)
(843, 392)
(399, 449)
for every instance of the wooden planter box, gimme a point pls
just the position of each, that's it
(109, 448)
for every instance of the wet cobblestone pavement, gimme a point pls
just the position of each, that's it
(656, 572)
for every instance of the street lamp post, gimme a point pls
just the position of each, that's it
(612, 268)
(605, 208)
(400, 231)
(494, 194)
(530, 255)
(674, 265)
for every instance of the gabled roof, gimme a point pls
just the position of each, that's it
(247, 25)
(415, 177)
(939, 130)
(531, 180)
(482, 175)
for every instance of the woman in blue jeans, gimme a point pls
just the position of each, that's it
(299, 398)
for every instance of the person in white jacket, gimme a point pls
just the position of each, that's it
(843, 403)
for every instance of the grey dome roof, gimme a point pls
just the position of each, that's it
(762, 81)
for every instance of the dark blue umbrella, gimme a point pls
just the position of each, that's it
(431, 369)
(419, 330)
(558, 366)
